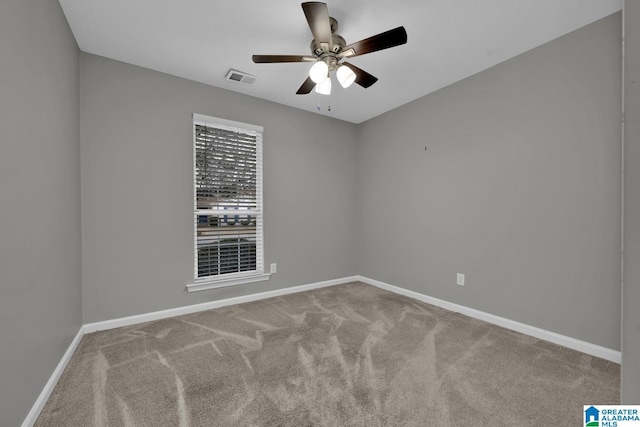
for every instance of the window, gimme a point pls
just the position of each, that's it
(228, 233)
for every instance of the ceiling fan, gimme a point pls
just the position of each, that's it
(329, 50)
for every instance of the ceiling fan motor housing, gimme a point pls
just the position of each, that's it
(322, 51)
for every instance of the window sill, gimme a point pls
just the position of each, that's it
(203, 285)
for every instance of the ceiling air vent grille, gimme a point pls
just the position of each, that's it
(240, 77)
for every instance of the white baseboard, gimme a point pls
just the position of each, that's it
(563, 340)
(33, 415)
(163, 314)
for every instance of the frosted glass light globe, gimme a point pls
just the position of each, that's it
(324, 88)
(319, 71)
(345, 76)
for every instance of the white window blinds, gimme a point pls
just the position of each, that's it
(228, 199)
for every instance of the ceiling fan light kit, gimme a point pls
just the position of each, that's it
(324, 87)
(345, 76)
(319, 72)
(329, 49)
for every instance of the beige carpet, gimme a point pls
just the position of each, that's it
(348, 355)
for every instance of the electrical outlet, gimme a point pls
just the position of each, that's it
(460, 279)
(274, 267)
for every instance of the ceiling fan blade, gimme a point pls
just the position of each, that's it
(306, 87)
(318, 18)
(363, 78)
(385, 40)
(260, 59)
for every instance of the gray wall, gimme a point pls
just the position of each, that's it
(137, 227)
(40, 288)
(519, 189)
(631, 289)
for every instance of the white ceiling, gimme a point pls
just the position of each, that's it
(448, 40)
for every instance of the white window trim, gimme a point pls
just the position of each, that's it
(229, 279)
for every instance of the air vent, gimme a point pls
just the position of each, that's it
(240, 77)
